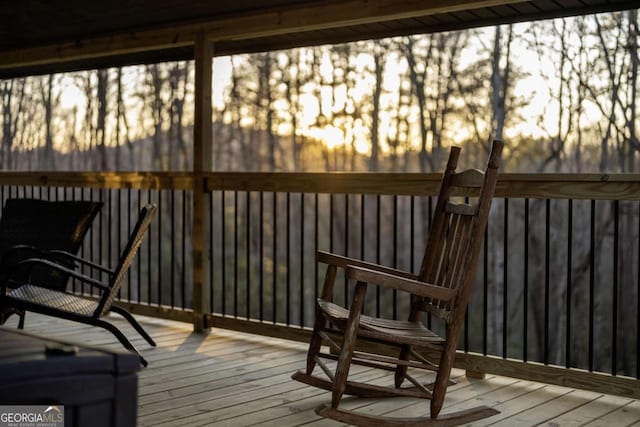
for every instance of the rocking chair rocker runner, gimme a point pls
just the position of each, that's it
(441, 288)
(65, 305)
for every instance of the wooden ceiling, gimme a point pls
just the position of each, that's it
(43, 36)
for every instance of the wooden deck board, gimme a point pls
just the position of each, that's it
(228, 378)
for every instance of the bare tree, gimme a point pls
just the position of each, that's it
(46, 162)
(12, 94)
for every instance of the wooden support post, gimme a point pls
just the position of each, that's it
(202, 140)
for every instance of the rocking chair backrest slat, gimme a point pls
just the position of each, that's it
(128, 254)
(457, 231)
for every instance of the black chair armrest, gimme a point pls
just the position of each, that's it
(58, 253)
(55, 266)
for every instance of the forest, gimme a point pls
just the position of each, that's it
(561, 93)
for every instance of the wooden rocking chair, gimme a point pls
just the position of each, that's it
(441, 288)
(66, 305)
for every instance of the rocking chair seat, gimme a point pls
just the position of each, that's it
(54, 299)
(401, 331)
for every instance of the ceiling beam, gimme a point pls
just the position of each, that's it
(315, 15)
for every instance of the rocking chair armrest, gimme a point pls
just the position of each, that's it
(415, 287)
(344, 262)
(50, 264)
(80, 260)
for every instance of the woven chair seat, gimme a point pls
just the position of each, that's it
(54, 299)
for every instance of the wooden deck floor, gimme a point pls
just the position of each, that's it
(232, 379)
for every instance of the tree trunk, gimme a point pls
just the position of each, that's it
(101, 131)
(47, 162)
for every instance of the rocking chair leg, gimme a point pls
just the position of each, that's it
(442, 379)
(316, 342)
(401, 370)
(121, 337)
(350, 334)
(321, 321)
(124, 313)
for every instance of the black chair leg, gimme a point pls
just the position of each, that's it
(124, 313)
(22, 314)
(121, 337)
(8, 312)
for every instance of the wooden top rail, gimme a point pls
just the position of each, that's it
(114, 180)
(542, 186)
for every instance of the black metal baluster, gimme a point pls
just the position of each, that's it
(159, 260)
(261, 255)
(129, 276)
(547, 244)
(139, 260)
(212, 253)
(119, 235)
(274, 305)
(331, 249)
(465, 336)
(569, 278)
(149, 267)
(378, 250)
(525, 292)
(362, 234)
(430, 221)
(91, 240)
(485, 290)
(615, 290)
(223, 249)
(287, 261)
(316, 244)
(395, 252)
(592, 272)
(173, 245)
(110, 232)
(638, 303)
(248, 253)
(100, 235)
(302, 259)
(183, 281)
(505, 278)
(346, 244)
(235, 254)
(362, 227)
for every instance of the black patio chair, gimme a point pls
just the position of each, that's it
(66, 305)
(32, 228)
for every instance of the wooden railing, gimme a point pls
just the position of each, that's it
(557, 293)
